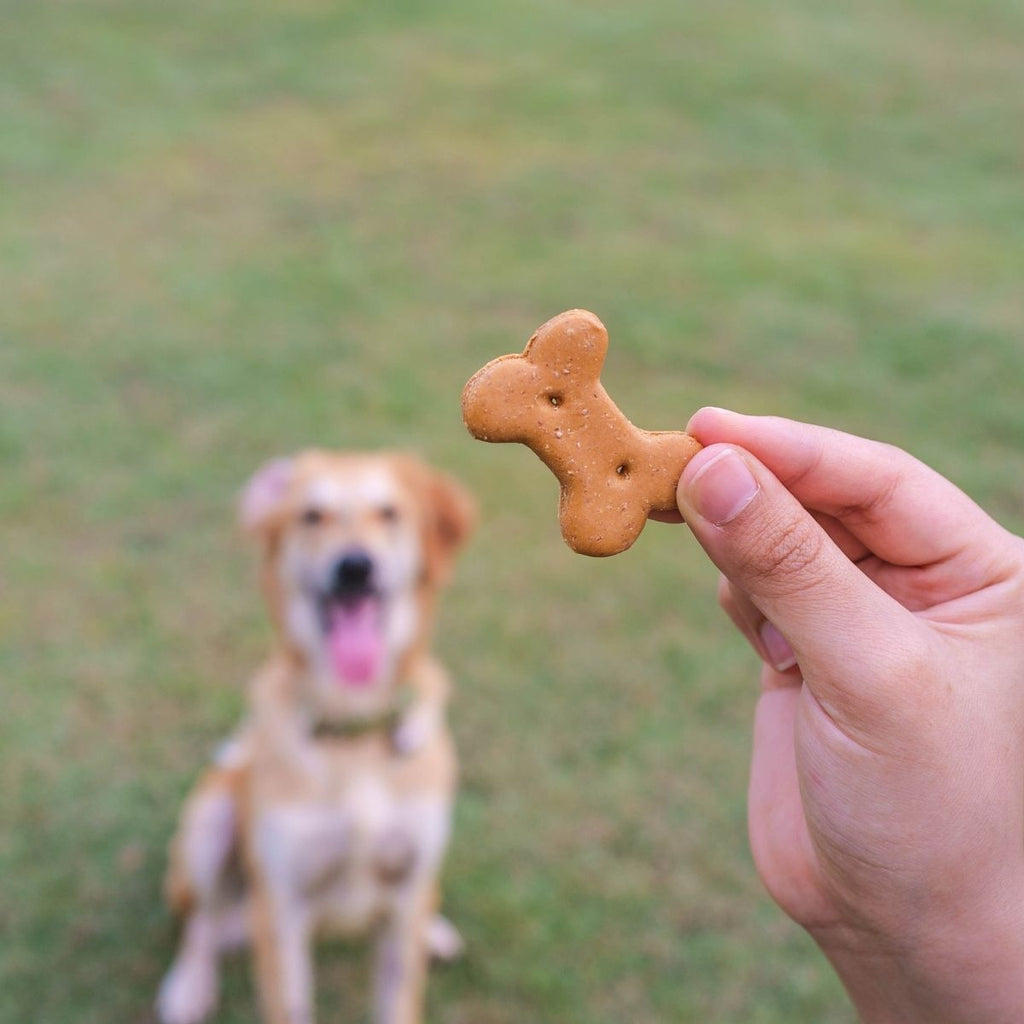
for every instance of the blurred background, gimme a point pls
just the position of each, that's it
(232, 229)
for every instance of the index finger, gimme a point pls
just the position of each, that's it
(900, 509)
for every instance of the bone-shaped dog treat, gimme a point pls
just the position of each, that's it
(611, 473)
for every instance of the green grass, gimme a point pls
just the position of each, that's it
(228, 230)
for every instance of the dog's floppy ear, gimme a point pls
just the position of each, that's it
(263, 495)
(453, 515)
(455, 519)
(449, 516)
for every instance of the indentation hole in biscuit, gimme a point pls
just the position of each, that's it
(622, 469)
(555, 399)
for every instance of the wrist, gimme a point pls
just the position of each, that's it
(964, 972)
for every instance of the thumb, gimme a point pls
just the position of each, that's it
(841, 626)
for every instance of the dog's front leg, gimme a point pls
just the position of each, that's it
(280, 922)
(283, 957)
(402, 955)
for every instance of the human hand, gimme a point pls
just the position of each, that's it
(886, 804)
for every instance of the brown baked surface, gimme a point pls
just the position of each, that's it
(612, 474)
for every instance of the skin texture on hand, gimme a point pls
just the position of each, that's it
(886, 806)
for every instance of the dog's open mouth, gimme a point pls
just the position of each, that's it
(354, 632)
(352, 615)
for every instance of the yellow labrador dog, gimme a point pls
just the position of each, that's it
(329, 810)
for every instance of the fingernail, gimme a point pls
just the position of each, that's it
(723, 487)
(776, 646)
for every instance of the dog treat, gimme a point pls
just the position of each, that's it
(611, 473)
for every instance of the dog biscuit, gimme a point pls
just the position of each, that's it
(611, 474)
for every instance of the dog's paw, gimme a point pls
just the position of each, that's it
(443, 939)
(188, 993)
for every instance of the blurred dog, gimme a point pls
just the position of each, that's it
(330, 808)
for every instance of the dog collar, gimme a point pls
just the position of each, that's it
(356, 726)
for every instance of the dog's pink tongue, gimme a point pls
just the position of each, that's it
(355, 642)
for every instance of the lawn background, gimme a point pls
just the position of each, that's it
(228, 230)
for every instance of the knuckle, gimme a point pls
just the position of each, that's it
(899, 666)
(903, 684)
(789, 557)
(894, 469)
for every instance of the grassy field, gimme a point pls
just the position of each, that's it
(231, 229)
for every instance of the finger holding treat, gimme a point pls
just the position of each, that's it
(612, 475)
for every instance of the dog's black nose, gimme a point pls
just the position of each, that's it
(352, 574)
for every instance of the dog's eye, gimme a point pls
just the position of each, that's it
(387, 514)
(312, 516)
